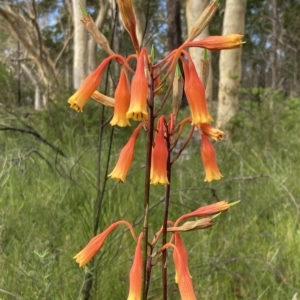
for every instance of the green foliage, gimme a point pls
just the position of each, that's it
(46, 206)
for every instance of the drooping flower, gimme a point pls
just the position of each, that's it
(122, 101)
(220, 42)
(139, 90)
(96, 243)
(195, 93)
(184, 281)
(212, 132)
(158, 173)
(181, 249)
(135, 276)
(209, 160)
(89, 85)
(126, 156)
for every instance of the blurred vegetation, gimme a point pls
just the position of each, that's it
(48, 184)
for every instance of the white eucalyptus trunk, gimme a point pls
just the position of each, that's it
(230, 63)
(39, 104)
(92, 47)
(80, 45)
(194, 8)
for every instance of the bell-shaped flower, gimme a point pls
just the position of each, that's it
(209, 160)
(122, 101)
(195, 93)
(96, 243)
(89, 85)
(139, 90)
(126, 156)
(135, 276)
(158, 173)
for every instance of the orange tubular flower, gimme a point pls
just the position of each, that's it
(122, 101)
(212, 132)
(195, 93)
(96, 243)
(139, 90)
(209, 160)
(89, 85)
(160, 154)
(126, 156)
(184, 280)
(205, 211)
(135, 276)
(181, 249)
(222, 42)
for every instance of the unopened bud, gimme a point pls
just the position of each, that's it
(192, 225)
(203, 20)
(129, 21)
(177, 91)
(103, 99)
(100, 39)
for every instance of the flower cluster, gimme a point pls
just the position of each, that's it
(132, 101)
(180, 256)
(136, 98)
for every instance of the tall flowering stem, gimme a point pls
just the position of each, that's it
(141, 95)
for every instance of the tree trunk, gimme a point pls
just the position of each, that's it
(230, 63)
(39, 104)
(92, 47)
(194, 8)
(174, 24)
(274, 44)
(80, 45)
(140, 10)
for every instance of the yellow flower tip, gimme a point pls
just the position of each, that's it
(159, 180)
(74, 103)
(137, 115)
(120, 122)
(79, 258)
(212, 176)
(115, 174)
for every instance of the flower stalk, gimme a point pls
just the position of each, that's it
(138, 97)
